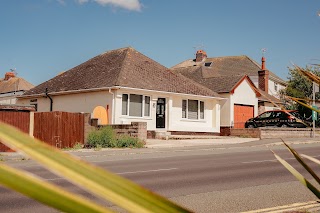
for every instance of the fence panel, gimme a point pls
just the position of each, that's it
(59, 129)
(18, 119)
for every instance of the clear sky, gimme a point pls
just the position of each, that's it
(41, 38)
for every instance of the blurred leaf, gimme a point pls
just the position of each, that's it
(311, 158)
(107, 185)
(45, 192)
(295, 173)
(299, 159)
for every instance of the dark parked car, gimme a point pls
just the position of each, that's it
(278, 118)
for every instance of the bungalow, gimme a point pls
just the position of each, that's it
(246, 86)
(12, 86)
(123, 86)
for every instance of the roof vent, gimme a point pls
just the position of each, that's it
(208, 64)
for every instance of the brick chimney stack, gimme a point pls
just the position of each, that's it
(200, 55)
(9, 75)
(263, 76)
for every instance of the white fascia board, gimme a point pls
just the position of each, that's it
(173, 93)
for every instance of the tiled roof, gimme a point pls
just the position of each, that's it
(229, 66)
(265, 97)
(217, 83)
(14, 84)
(123, 67)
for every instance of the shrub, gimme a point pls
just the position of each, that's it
(106, 138)
(127, 141)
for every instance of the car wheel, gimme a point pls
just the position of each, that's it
(251, 126)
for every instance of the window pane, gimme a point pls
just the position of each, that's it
(184, 108)
(192, 109)
(135, 105)
(147, 106)
(201, 110)
(125, 104)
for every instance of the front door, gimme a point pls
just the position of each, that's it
(161, 113)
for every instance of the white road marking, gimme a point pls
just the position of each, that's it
(122, 173)
(275, 160)
(285, 208)
(145, 171)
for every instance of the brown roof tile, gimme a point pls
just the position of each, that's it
(217, 83)
(123, 67)
(14, 84)
(229, 66)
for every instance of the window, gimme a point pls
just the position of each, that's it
(208, 64)
(275, 86)
(125, 104)
(184, 108)
(135, 108)
(135, 105)
(192, 109)
(147, 106)
(201, 110)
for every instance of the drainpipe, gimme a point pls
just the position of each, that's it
(112, 108)
(51, 101)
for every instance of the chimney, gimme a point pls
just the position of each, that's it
(9, 75)
(200, 55)
(263, 76)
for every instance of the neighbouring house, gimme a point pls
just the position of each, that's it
(249, 88)
(12, 86)
(123, 86)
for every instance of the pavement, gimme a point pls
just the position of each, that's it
(215, 142)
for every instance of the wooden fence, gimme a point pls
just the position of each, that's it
(18, 119)
(59, 129)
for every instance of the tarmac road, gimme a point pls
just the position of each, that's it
(203, 178)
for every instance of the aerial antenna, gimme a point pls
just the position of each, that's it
(263, 51)
(14, 71)
(198, 47)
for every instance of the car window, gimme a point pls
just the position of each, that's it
(265, 115)
(278, 114)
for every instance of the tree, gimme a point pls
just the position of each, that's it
(301, 87)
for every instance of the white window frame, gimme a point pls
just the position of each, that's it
(187, 100)
(143, 105)
(275, 86)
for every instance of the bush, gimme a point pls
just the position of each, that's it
(127, 141)
(106, 138)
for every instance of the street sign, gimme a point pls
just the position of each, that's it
(314, 113)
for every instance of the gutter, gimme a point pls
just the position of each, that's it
(51, 101)
(112, 108)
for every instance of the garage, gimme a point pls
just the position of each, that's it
(241, 114)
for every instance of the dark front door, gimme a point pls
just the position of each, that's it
(161, 113)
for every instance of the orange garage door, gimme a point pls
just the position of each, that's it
(241, 114)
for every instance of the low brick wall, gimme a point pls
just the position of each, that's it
(265, 133)
(287, 133)
(250, 133)
(135, 129)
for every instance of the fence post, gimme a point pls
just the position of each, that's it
(31, 124)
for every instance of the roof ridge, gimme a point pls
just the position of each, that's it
(123, 64)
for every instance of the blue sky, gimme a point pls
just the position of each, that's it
(41, 38)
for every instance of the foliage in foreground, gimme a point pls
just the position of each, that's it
(99, 182)
(298, 175)
(106, 138)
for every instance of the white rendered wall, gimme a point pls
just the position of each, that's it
(174, 120)
(80, 102)
(243, 95)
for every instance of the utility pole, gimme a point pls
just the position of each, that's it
(313, 105)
